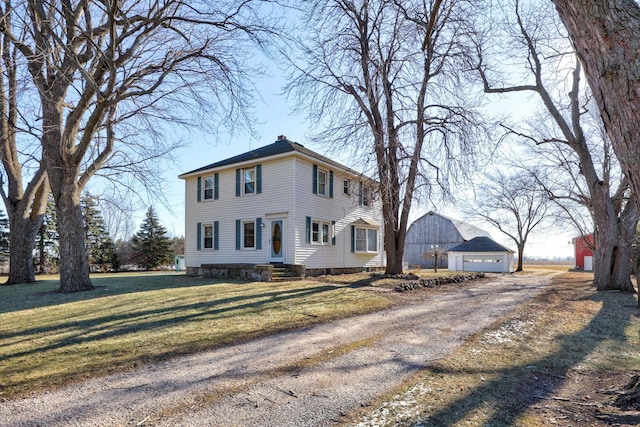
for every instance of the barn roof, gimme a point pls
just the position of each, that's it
(466, 230)
(480, 244)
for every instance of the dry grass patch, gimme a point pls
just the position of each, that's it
(49, 339)
(557, 361)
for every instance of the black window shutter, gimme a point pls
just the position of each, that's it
(238, 234)
(308, 230)
(216, 186)
(360, 195)
(199, 235)
(238, 182)
(333, 233)
(216, 237)
(331, 184)
(353, 238)
(258, 179)
(315, 179)
(199, 189)
(258, 233)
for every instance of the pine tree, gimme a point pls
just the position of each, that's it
(47, 241)
(151, 246)
(98, 244)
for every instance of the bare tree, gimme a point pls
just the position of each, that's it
(23, 186)
(437, 254)
(606, 37)
(613, 218)
(514, 204)
(383, 80)
(102, 67)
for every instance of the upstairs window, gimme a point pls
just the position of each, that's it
(249, 181)
(208, 188)
(346, 187)
(322, 182)
(365, 195)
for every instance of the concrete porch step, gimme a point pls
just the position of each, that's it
(283, 274)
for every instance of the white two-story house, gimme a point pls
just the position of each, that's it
(281, 204)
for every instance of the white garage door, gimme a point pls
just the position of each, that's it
(484, 263)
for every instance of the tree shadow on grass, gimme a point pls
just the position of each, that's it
(45, 293)
(66, 336)
(518, 388)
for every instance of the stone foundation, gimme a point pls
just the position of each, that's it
(249, 272)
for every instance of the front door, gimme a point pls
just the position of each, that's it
(277, 247)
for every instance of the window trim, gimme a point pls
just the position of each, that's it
(244, 182)
(366, 239)
(346, 187)
(206, 179)
(243, 235)
(204, 237)
(318, 237)
(322, 172)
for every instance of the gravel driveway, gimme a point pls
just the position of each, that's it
(308, 377)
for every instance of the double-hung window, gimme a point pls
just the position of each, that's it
(249, 235)
(322, 182)
(208, 188)
(208, 236)
(320, 232)
(346, 187)
(365, 196)
(249, 181)
(365, 240)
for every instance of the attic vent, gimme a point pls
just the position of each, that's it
(282, 138)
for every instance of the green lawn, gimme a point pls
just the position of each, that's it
(49, 339)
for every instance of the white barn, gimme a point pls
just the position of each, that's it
(481, 254)
(281, 204)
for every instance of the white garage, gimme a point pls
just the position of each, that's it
(481, 254)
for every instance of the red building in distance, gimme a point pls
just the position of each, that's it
(583, 249)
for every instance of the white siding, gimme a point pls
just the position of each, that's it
(277, 189)
(287, 193)
(342, 209)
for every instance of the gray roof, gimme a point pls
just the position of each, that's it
(480, 244)
(466, 230)
(281, 146)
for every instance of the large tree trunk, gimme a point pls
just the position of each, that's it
(62, 169)
(21, 243)
(606, 36)
(603, 265)
(621, 269)
(394, 252)
(25, 212)
(74, 267)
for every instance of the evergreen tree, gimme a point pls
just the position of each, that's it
(98, 244)
(151, 246)
(47, 241)
(4, 237)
